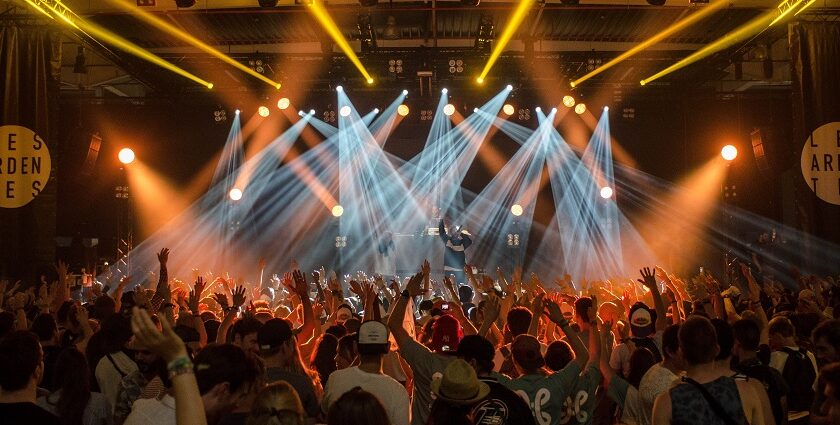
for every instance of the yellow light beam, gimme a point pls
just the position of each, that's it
(752, 27)
(96, 31)
(805, 6)
(171, 29)
(514, 22)
(330, 26)
(40, 9)
(784, 9)
(677, 26)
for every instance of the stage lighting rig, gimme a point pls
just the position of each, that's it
(329, 115)
(426, 115)
(219, 115)
(456, 66)
(486, 32)
(366, 34)
(395, 67)
(524, 114)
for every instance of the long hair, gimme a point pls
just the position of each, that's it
(72, 377)
(641, 360)
(323, 358)
(444, 413)
(277, 404)
(296, 365)
(357, 406)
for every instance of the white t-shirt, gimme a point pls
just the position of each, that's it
(152, 411)
(655, 381)
(391, 393)
(620, 357)
(109, 378)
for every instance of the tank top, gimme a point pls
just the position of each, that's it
(689, 407)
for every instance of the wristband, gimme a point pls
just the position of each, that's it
(179, 366)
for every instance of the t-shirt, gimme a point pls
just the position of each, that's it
(620, 356)
(627, 397)
(391, 393)
(152, 411)
(425, 365)
(501, 407)
(499, 358)
(97, 411)
(110, 372)
(301, 383)
(581, 401)
(655, 381)
(546, 394)
(25, 414)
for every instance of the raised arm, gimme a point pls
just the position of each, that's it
(556, 316)
(302, 290)
(442, 231)
(193, 300)
(649, 280)
(395, 320)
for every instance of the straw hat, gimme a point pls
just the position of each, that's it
(459, 384)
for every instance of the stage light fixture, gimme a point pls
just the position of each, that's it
(320, 12)
(568, 101)
(538, 109)
(509, 87)
(301, 113)
(339, 88)
(524, 114)
(238, 112)
(283, 103)
(606, 192)
(405, 92)
(475, 110)
(337, 211)
(606, 108)
(479, 80)
(311, 112)
(375, 110)
(395, 66)
(426, 115)
(329, 115)
(219, 115)
(263, 111)
(370, 80)
(449, 109)
(553, 110)
(126, 156)
(516, 210)
(444, 90)
(580, 108)
(235, 194)
(456, 66)
(729, 152)
(508, 109)
(344, 111)
(402, 110)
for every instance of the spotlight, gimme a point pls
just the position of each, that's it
(426, 115)
(337, 211)
(449, 109)
(606, 192)
(509, 87)
(729, 152)
(508, 109)
(311, 112)
(516, 210)
(238, 111)
(402, 110)
(344, 111)
(475, 110)
(300, 113)
(126, 156)
(339, 88)
(606, 108)
(370, 80)
(580, 108)
(538, 109)
(479, 80)
(210, 86)
(263, 111)
(395, 66)
(405, 92)
(568, 101)
(445, 90)
(524, 114)
(235, 194)
(375, 110)
(219, 115)
(643, 82)
(283, 103)
(329, 116)
(553, 110)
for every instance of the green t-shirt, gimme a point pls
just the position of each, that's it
(546, 394)
(582, 400)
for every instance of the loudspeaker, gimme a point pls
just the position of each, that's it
(92, 155)
(759, 150)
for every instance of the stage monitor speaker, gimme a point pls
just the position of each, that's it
(92, 155)
(759, 150)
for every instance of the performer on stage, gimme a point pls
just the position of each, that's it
(385, 260)
(454, 259)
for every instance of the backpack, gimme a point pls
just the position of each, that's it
(799, 374)
(772, 381)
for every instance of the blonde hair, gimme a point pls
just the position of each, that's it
(277, 404)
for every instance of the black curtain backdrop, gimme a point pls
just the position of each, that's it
(30, 70)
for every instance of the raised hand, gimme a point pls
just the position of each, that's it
(492, 308)
(165, 344)
(426, 268)
(648, 279)
(301, 287)
(356, 288)
(414, 286)
(238, 297)
(552, 310)
(163, 256)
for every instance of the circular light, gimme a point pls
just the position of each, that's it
(402, 110)
(538, 109)
(606, 108)
(238, 111)
(509, 87)
(263, 111)
(210, 86)
(508, 109)
(445, 90)
(375, 110)
(405, 92)
(126, 156)
(606, 192)
(553, 110)
(568, 101)
(311, 112)
(449, 109)
(344, 111)
(283, 103)
(278, 86)
(516, 210)
(337, 211)
(370, 80)
(479, 80)
(729, 152)
(339, 88)
(235, 194)
(643, 82)
(580, 108)
(572, 83)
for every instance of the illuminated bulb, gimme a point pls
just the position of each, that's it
(449, 109)
(568, 101)
(263, 111)
(445, 90)
(572, 83)
(553, 110)
(344, 111)
(405, 92)
(509, 87)
(643, 82)
(479, 80)
(508, 109)
(210, 86)
(235, 194)
(606, 192)
(238, 111)
(339, 88)
(278, 86)
(580, 108)
(283, 103)
(311, 112)
(337, 211)
(516, 210)
(729, 152)
(126, 156)
(606, 108)
(538, 109)
(475, 110)
(375, 110)
(300, 113)
(402, 110)
(370, 80)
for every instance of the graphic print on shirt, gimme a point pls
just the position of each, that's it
(540, 400)
(572, 408)
(490, 412)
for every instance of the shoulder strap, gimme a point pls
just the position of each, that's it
(713, 403)
(111, 359)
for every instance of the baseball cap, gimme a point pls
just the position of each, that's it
(446, 334)
(373, 332)
(274, 333)
(526, 352)
(642, 320)
(478, 348)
